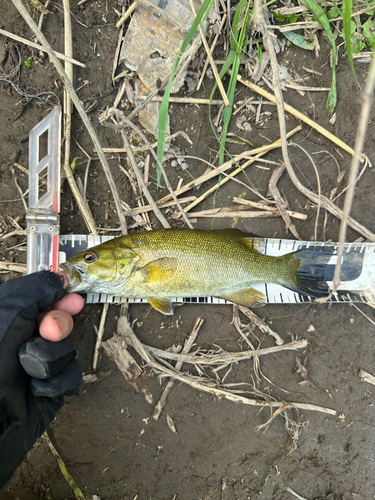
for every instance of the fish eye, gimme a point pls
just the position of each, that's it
(90, 257)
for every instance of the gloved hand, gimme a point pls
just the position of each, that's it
(37, 365)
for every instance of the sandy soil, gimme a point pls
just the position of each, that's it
(105, 436)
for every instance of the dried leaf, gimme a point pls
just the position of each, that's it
(171, 424)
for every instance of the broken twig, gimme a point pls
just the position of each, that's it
(188, 345)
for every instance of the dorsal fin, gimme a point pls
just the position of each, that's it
(249, 240)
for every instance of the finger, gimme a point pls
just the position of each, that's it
(56, 325)
(71, 303)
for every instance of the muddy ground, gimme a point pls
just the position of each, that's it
(105, 436)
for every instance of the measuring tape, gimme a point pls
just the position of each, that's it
(45, 249)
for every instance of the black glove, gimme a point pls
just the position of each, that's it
(34, 373)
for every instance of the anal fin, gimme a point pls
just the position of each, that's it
(163, 305)
(245, 297)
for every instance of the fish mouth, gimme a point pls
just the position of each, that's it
(77, 277)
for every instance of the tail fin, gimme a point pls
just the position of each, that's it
(313, 271)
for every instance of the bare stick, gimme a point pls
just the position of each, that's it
(86, 120)
(116, 349)
(367, 377)
(117, 52)
(10, 266)
(205, 386)
(209, 55)
(224, 358)
(319, 187)
(230, 212)
(263, 206)
(358, 148)
(280, 203)
(16, 232)
(364, 314)
(263, 327)
(148, 208)
(40, 47)
(294, 493)
(40, 23)
(19, 190)
(188, 345)
(100, 335)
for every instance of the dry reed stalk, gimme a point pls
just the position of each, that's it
(77, 102)
(263, 206)
(19, 190)
(99, 336)
(319, 187)
(117, 52)
(67, 476)
(226, 166)
(141, 181)
(358, 149)
(188, 345)
(40, 23)
(127, 14)
(212, 48)
(184, 100)
(230, 212)
(211, 59)
(144, 148)
(148, 208)
(10, 266)
(364, 314)
(367, 377)
(63, 57)
(16, 232)
(280, 203)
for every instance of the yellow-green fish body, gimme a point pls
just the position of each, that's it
(158, 265)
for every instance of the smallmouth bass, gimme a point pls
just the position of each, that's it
(158, 265)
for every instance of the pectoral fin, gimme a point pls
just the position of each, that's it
(160, 269)
(246, 297)
(163, 305)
